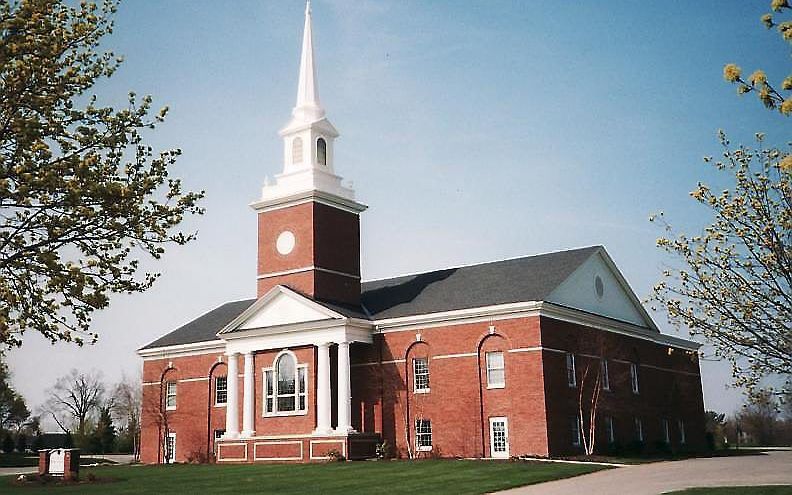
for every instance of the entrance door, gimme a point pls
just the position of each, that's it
(499, 437)
(171, 448)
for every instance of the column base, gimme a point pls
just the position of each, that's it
(322, 431)
(247, 434)
(230, 435)
(344, 430)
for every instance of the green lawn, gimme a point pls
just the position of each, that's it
(740, 490)
(395, 477)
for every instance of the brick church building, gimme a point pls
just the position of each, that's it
(512, 357)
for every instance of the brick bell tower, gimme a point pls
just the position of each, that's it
(308, 222)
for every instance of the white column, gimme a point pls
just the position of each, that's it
(323, 399)
(344, 390)
(232, 404)
(248, 398)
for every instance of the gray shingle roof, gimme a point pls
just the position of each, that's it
(203, 328)
(531, 278)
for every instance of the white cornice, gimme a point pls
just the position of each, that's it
(306, 197)
(194, 348)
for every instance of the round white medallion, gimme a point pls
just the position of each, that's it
(285, 242)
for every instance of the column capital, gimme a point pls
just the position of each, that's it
(232, 354)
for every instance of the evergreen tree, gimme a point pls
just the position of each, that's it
(103, 438)
(8, 443)
(21, 443)
(69, 441)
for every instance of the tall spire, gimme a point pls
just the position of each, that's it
(308, 107)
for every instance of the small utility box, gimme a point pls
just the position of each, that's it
(63, 463)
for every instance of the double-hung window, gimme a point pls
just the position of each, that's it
(496, 377)
(634, 377)
(170, 396)
(570, 369)
(221, 390)
(666, 431)
(285, 387)
(605, 376)
(639, 430)
(423, 435)
(421, 375)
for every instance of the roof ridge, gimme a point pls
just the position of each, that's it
(468, 265)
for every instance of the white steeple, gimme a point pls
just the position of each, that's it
(308, 141)
(308, 107)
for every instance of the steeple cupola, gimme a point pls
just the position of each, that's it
(308, 138)
(309, 225)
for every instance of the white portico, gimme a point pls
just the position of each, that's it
(283, 319)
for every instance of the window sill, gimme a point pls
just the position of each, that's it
(497, 386)
(220, 405)
(170, 408)
(279, 414)
(424, 449)
(421, 391)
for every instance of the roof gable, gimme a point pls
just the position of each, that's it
(280, 306)
(617, 300)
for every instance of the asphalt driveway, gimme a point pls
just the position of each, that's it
(771, 468)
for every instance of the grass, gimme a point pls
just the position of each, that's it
(395, 477)
(740, 490)
(644, 459)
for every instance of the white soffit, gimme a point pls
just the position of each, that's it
(613, 298)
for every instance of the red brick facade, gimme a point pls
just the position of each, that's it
(537, 398)
(327, 241)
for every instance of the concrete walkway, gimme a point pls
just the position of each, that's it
(771, 468)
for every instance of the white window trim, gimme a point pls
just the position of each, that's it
(605, 375)
(571, 377)
(220, 404)
(502, 384)
(275, 412)
(634, 379)
(576, 440)
(417, 390)
(666, 427)
(424, 448)
(167, 395)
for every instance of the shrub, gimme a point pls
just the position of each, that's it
(8, 443)
(334, 455)
(383, 450)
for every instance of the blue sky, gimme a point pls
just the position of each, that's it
(474, 130)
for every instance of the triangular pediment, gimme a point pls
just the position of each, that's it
(280, 307)
(598, 287)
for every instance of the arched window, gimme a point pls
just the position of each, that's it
(285, 386)
(321, 151)
(297, 150)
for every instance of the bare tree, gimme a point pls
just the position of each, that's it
(127, 405)
(74, 398)
(588, 401)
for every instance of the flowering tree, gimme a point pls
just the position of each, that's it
(82, 197)
(733, 285)
(757, 82)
